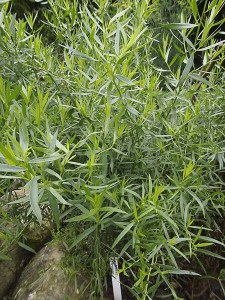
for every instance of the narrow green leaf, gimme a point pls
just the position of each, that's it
(53, 141)
(197, 199)
(88, 216)
(33, 196)
(167, 218)
(117, 41)
(59, 145)
(173, 259)
(135, 37)
(194, 8)
(24, 246)
(9, 177)
(101, 187)
(16, 91)
(83, 235)
(209, 239)
(113, 210)
(58, 196)
(118, 15)
(146, 212)
(213, 254)
(1, 17)
(16, 146)
(149, 186)
(2, 255)
(9, 168)
(7, 155)
(54, 208)
(53, 173)
(81, 208)
(212, 46)
(122, 234)
(132, 110)
(183, 272)
(186, 70)
(186, 39)
(200, 79)
(124, 79)
(21, 200)
(178, 26)
(119, 152)
(82, 55)
(48, 158)
(3, 236)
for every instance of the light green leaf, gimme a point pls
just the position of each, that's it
(2, 255)
(149, 186)
(21, 200)
(183, 272)
(9, 177)
(24, 138)
(82, 236)
(200, 79)
(33, 196)
(58, 196)
(178, 26)
(9, 168)
(132, 110)
(113, 210)
(7, 155)
(82, 55)
(197, 199)
(167, 218)
(101, 187)
(60, 145)
(118, 15)
(24, 246)
(53, 173)
(209, 239)
(3, 236)
(212, 46)
(117, 41)
(47, 158)
(81, 208)
(53, 141)
(145, 212)
(54, 208)
(194, 8)
(124, 79)
(213, 254)
(186, 70)
(188, 41)
(122, 234)
(119, 152)
(88, 216)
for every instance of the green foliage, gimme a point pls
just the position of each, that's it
(109, 144)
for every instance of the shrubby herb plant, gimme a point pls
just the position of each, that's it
(118, 152)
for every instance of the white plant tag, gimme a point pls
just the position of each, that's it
(115, 279)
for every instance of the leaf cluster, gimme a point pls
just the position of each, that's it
(111, 146)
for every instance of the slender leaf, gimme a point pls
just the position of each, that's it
(122, 234)
(58, 196)
(8, 168)
(26, 247)
(83, 236)
(33, 196)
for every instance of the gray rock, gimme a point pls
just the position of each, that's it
(10, 269)
(44, 279)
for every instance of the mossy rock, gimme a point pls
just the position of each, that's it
(44, 278)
